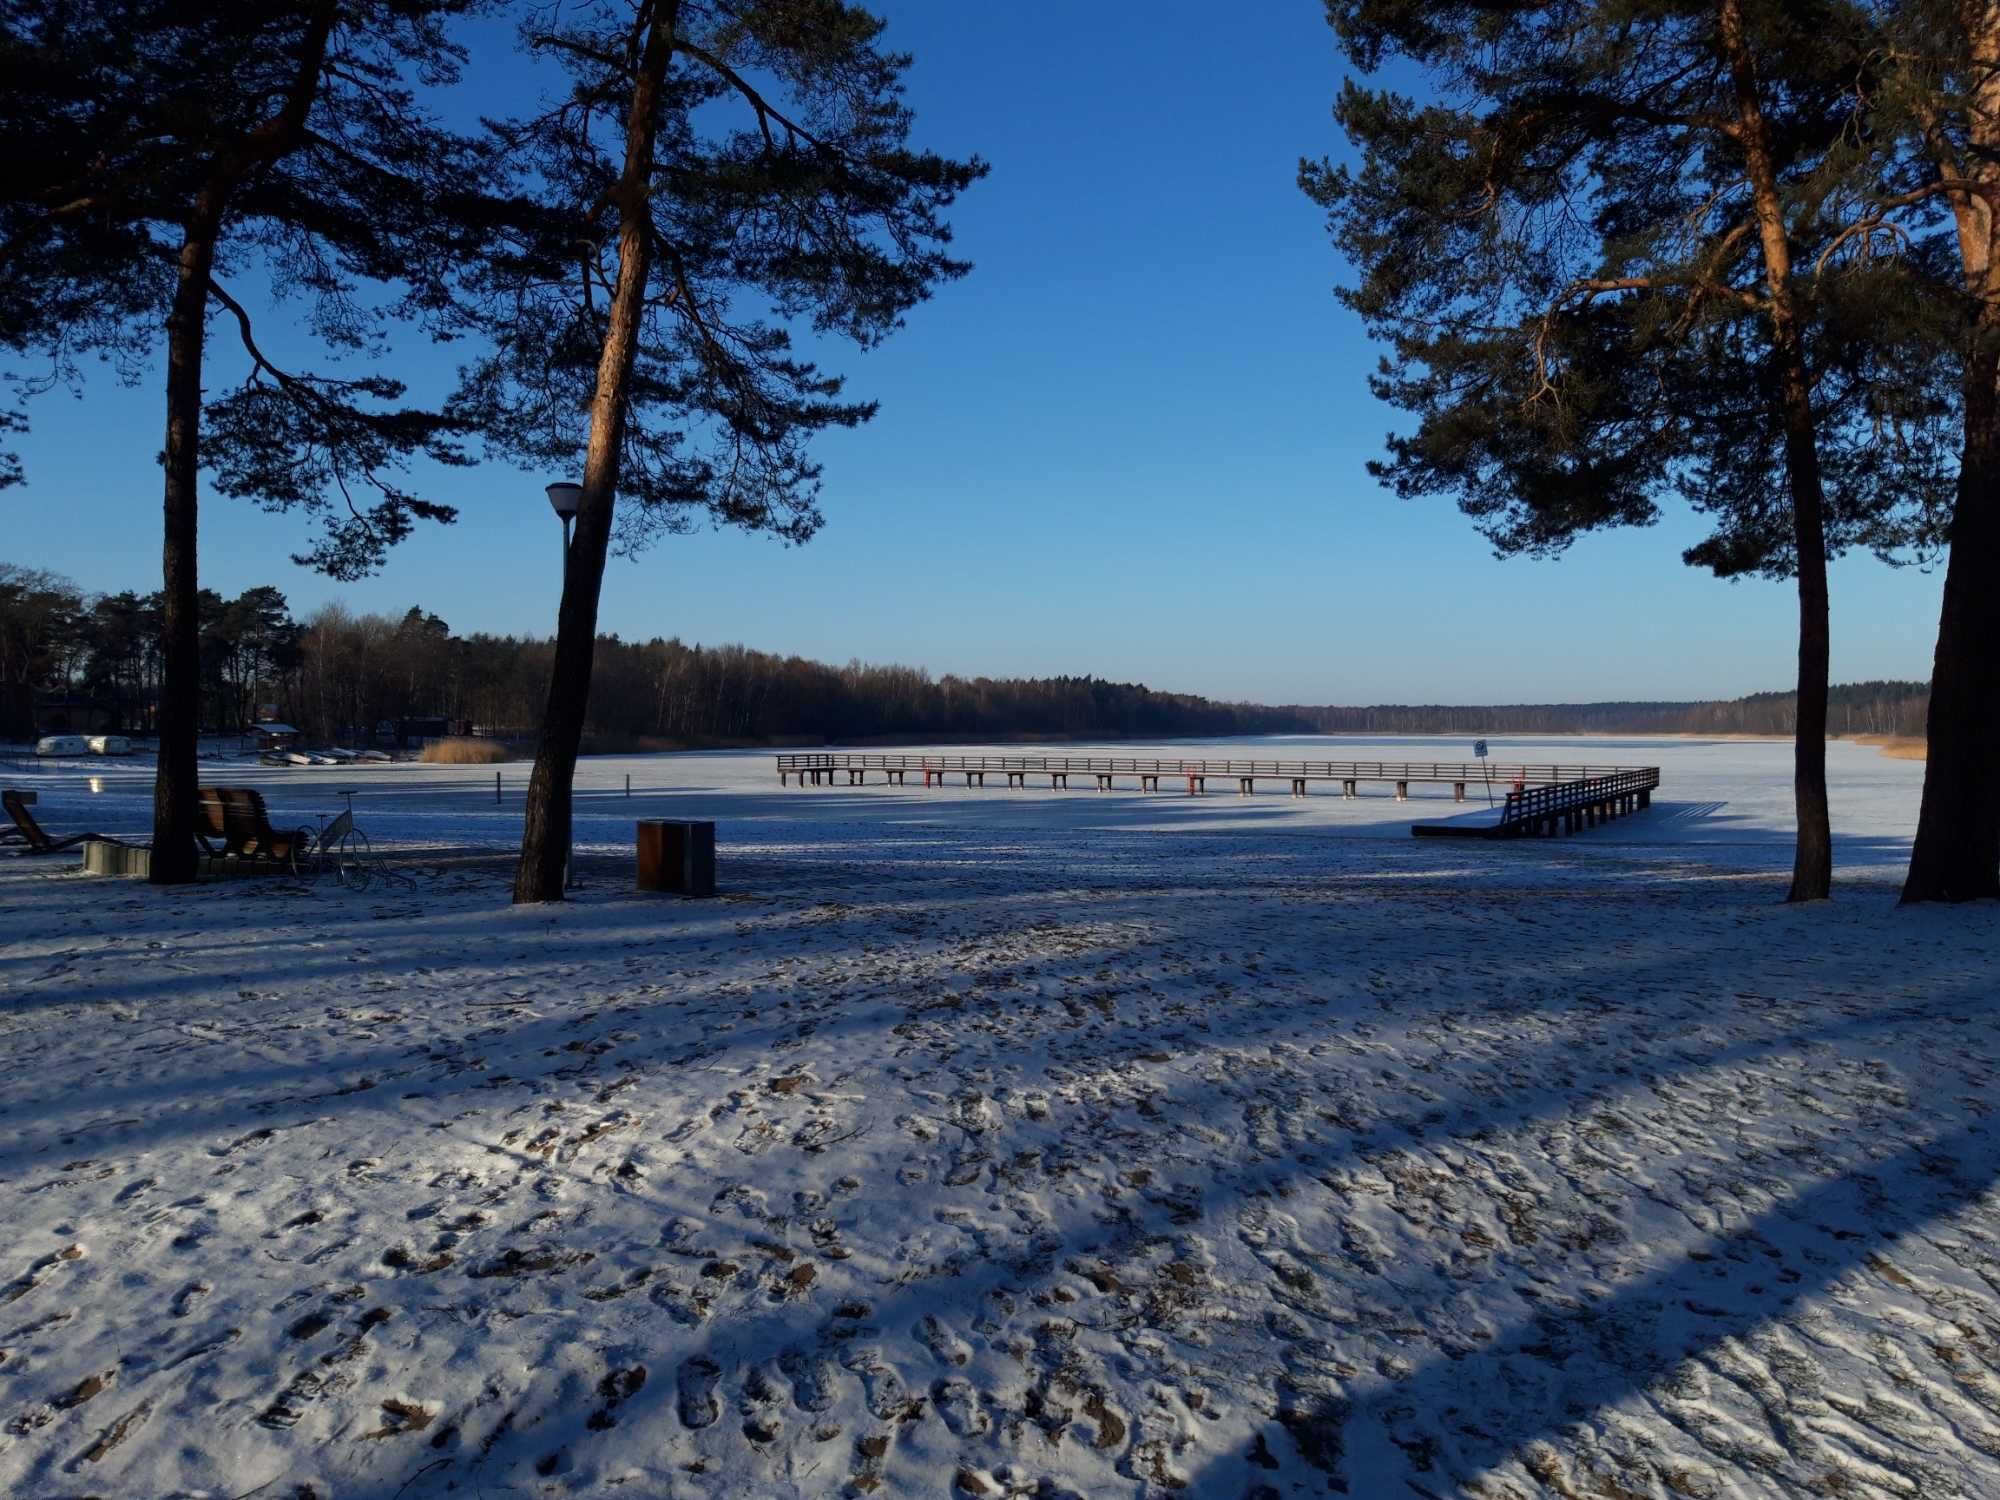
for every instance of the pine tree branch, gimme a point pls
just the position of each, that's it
(579, 49)
(281, 132)
(766, 111)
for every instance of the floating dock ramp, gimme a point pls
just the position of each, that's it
(1557, 808)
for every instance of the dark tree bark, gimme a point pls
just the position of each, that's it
(1812, 860)
(1812, 856)
(1956, 856)
(545, 835)
(175, 780)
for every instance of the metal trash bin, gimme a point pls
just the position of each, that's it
(677, 856)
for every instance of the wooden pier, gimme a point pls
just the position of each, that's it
(832, 768)
(1563, 807)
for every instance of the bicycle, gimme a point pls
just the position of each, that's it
(341, 846)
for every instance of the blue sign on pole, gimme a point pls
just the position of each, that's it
(1479, 748)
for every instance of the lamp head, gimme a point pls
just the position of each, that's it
(565, 498)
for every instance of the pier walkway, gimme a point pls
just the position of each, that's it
(830, 768)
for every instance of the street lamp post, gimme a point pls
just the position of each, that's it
(564, 498)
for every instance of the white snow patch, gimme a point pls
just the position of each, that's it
(1006, 1144)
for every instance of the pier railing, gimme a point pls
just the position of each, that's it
(1539, 809)
(1453, 772)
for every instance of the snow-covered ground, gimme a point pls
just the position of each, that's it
(999, 1144)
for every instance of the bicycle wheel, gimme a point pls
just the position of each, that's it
(303, 856)
(355, 862)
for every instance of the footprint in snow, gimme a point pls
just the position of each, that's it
(882, 1387)
(945, 1346)
(958, 1403)
(812, 1376)
(761, 1421)
(697, 1381)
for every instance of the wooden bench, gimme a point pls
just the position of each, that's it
(237, 817)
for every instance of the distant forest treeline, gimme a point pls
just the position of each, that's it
(1896, 708)
(78, 662)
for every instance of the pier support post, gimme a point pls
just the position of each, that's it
(1350, 788)
(1103, 782)
(1298, 786)
(1402, 791)
(1458, 791)
(1245, 786)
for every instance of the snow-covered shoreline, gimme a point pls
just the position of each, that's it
(998, 1144)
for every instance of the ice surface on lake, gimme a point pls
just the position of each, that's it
(1724, 795)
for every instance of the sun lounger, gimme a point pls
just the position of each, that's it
(30, 833)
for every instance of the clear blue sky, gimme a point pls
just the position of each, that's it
(1130, 444)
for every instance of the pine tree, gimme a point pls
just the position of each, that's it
(157, 154)
(1626, 255)
(712, 159)
(1940, 104)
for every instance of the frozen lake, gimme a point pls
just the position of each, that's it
(1729, 801)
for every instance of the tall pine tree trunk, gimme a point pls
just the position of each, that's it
(174, 781)
(545, 835)
(1956, 856)
(1812, 859)
(1812, 855)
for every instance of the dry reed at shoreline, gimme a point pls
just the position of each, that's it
(464, 752)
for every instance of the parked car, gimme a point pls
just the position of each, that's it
(62, 744)
(109, 744)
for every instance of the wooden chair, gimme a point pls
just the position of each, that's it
(29, 832)
(236, 815)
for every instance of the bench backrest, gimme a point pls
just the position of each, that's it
(214, 821)
(238, 816)
(23, 819)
